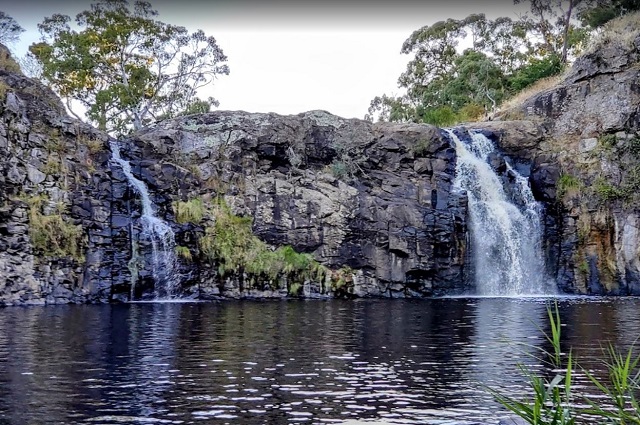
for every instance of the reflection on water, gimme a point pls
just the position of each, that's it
(399, 362)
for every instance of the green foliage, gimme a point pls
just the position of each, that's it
(294, 289)
(348, 162)
(338, 169)
(534, 70)
(54, 166)
(551, 399)
(443, 116)
(607, 141)
(633, 146)
(604, 11)
(124, 66)
(183, 252)
(446, 85)
(565, 183)
(4, 88)
(583, 268)
(555, 401)
(231, 243)
(606, 191)
(10, 30)
(50, 234)
(421, 147)
(8, 63)
(192, 211)
(621, 388)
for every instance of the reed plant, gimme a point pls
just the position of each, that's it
(553, 401)
(550, 400)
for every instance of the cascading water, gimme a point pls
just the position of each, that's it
(506, 231)
(157, 232)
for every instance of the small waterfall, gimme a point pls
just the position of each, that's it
(156, 231)
(506, 230)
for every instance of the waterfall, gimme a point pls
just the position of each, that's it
(156, 231)
(505, 226)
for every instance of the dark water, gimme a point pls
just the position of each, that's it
(348, 362)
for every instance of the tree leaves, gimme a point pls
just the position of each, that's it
(9, 29)
(126, 68)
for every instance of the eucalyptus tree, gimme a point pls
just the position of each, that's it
(10, 30)
(126, 68)
(462, 68)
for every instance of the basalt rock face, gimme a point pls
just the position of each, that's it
(377, 199)
(55, 237)
(584, 169)
(374, 203)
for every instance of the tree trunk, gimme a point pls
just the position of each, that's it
(567, 24)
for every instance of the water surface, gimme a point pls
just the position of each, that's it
(251, 362)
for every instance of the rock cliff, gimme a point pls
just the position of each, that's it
(313, 205)
(374, 199)
(581, 140)
(370, 206)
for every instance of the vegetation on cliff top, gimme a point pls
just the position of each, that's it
(125, 67)
(446, 84)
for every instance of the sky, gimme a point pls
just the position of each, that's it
(290, 57)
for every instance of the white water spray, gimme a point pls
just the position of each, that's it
(156, 231)
(506, 233)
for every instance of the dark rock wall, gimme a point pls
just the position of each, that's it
(375, 198)
(582, 139)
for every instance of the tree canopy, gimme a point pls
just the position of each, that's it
(462, 69)
(126, 68)
(10, 30)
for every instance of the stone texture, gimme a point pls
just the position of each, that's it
(591, 241)
(395, 221)
(390, 215)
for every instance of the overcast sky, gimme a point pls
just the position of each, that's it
(290, 57)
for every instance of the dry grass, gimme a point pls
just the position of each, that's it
(621, 31)
(539, 86)
(7, 63)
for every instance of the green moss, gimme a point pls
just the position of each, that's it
(565, 183)
(50, 234)
(231, 243)
(183, 252)
(192, 211)
(421, 147)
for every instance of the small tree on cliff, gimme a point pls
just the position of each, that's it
(126, 68)
(9, 29)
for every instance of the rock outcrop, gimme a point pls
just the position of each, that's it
(584, 168)
(372, 205)
(341, 207)
(377, 198)
(52, 174)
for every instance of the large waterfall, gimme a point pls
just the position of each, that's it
(156, 231)
(505, 225)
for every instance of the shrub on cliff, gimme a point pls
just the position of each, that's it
(51, 234)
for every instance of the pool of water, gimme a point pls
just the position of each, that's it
(312, 362)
